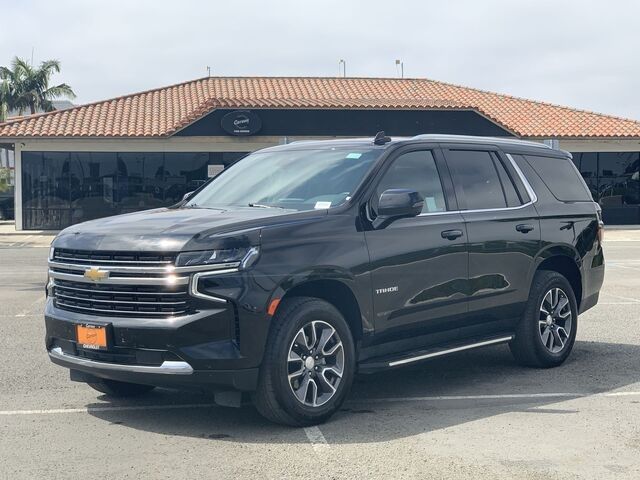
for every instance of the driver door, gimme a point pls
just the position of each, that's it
(419, 265)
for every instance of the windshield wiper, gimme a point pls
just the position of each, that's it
(259, 205)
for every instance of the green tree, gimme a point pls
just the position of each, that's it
(25, 87)
(5, 179)
(5, 99)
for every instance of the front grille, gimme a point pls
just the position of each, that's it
(112, 258)
(117, 283)
(121, 300)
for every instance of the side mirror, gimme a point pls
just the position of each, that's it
(186, 196)
(398, 203)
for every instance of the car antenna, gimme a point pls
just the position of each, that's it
(381, 138)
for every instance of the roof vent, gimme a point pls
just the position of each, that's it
(381, 139)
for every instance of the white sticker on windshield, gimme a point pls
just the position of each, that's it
(321, 205)
(354, 155)
(431, 204)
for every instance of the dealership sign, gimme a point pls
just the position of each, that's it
(241, 122)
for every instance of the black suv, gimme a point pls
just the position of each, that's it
(303, 264)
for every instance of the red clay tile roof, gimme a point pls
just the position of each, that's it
(164, 111)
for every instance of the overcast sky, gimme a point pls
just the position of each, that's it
(583, 54)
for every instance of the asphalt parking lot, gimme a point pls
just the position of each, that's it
(472, 415)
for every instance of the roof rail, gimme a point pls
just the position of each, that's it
(471, 138)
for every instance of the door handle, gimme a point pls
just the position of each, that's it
(451, 234)
(524, 227)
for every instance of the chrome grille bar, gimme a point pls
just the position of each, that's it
(114, 292)
(81, 299)
(96, 262)
(169, 269)
(119, 312)
(168, 280)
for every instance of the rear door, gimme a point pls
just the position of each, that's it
(503, 234)
(419, 264)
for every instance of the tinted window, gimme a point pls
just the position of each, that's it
(507, 184)
(415, 171)
(561, 177)
(476, 180)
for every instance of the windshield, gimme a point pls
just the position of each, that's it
(291, 179)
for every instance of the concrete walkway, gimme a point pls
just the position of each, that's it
(10, 238)
(8, 227)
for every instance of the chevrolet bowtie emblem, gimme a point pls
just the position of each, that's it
(95, 274)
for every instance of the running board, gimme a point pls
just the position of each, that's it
(380, 363)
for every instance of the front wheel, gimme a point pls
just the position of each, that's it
(546, 333)
(309, 363)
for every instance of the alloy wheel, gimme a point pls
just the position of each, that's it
(555, 321)
(315, 363)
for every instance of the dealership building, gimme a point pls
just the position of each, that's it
(147, 149)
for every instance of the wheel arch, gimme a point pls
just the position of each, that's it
(565, 261)
(334, 292)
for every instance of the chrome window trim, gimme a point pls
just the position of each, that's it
(121, 280)
(193, 289)
(525, 181)
(167, 367)
(533, 198)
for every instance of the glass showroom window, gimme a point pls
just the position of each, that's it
(64, 188)
(618, 183)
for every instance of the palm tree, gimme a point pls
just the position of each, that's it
(5, 99)
(27, 87)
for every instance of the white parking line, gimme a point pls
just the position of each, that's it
(617, 303)
(508, 396)
(620, 297)
(318, 442)
(32, 310)
(123, 408)
(314, 434)
(626, 267)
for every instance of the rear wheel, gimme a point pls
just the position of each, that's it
(546, 334)
(308, 366)
(114, 388)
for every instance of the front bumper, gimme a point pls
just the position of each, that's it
(167, 367)
(170, 374)
(217, 346)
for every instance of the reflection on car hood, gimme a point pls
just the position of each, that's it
(175, 229)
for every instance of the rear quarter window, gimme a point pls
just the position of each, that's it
(561, 177)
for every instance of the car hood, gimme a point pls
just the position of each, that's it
(177, 229)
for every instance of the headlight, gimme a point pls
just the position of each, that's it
(52, 252)
(245, 255)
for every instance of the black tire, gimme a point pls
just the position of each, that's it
(274, 397)
(114, 388)
(528, 347)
